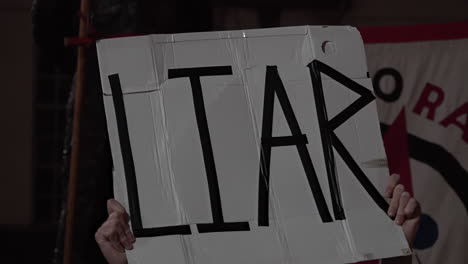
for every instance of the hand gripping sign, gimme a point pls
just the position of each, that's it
(247, 147)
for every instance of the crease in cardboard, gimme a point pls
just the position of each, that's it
(155, 148)
(268, 32)
(311, 43)
(159, 68)
(344, 223)
(282, 240)
(172, 38)
(280, 233)
(351, 242)
(172, 49)
(161, 155)
(185, 242)
(187, 249)
(273, 198)
(247, 51)
(171, 190)
(157, 82)
(356, 255)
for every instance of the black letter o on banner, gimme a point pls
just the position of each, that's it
(395, 94)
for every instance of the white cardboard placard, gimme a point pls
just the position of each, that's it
(247, 147)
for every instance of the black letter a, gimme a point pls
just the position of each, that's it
(273, 84)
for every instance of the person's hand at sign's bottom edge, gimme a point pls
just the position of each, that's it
(407, 213)
(114, 236)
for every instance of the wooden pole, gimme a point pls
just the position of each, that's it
(75, 142)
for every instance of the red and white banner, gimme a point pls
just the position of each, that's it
(420, 77)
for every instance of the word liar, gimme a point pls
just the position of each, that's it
(273, 87)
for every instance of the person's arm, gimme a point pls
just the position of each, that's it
(407, 213)
(114, 235)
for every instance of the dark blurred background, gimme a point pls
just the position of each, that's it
(37, 72)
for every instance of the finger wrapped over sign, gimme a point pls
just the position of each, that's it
(247, 147)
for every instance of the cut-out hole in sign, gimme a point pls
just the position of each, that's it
(328, 47)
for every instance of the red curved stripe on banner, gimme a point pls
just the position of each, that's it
(396, 147)
(412, 33)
